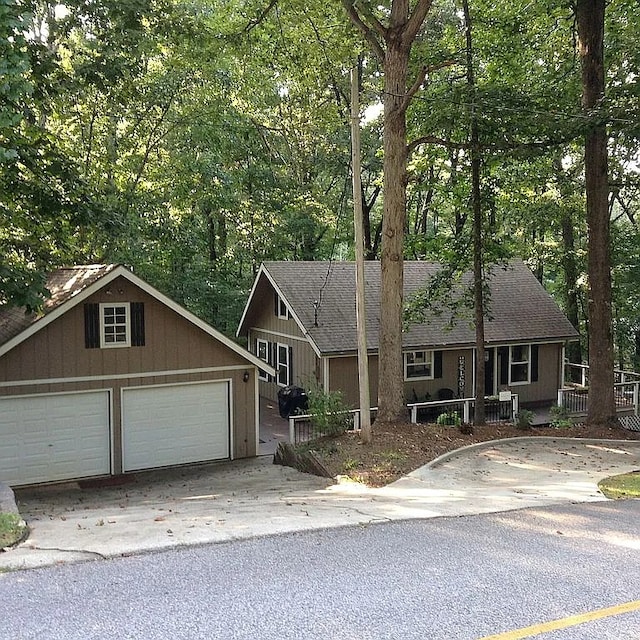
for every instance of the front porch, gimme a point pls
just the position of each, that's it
(573, 396)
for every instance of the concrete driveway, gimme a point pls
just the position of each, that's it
(246, 498)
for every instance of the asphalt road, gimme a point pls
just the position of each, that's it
(444, 578)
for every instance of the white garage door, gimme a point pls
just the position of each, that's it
(57, 436)
(175, 424)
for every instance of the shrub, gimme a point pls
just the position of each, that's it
(330, 415)
(449, 418)
(524, 419)
(560, 417)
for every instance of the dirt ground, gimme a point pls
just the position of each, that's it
(396, 450)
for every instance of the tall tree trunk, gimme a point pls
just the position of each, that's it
(590, 21)
(392, 44)
(391, 402)
(570, 268)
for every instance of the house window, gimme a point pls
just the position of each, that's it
(281, 308)
(283, 365)
(519, 364)
(115, 328)
(418, 365)
(262, 351)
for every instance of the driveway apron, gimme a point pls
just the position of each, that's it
(246, 498)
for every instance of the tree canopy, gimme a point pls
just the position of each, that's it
(193, 140)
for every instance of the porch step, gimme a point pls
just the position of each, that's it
(632, 423)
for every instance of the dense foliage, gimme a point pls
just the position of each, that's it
(193, 139)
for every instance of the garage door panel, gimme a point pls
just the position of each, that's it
(175, 424)
(59, 436)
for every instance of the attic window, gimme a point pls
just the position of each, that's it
(282, 311)
(115, 326)
(108, 325)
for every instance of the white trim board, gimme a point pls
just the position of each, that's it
(121, 376)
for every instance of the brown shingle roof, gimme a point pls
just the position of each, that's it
(63, 284)
(521, 310)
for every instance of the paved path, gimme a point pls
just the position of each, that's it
(247, 498)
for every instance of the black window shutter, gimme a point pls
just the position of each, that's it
(276, 303)
(437, 364)
(92, 325)
(290, 365)
(503, 352)
(137, 324)
(534, 363)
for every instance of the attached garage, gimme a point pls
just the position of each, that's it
(112, 376)
(51, 437)
(175, 424)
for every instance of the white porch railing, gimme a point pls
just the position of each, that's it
(626, 396)
(496, 409)
(301, 428)
(574, 395)
(578, 374)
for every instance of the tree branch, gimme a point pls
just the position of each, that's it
(541, 145)
(420, 78)
(415, 22)
(369, 36)
(252, 24)
(376, 25)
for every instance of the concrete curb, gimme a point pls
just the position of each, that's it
(445, 457)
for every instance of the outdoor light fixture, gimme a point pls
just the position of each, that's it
(245, 377)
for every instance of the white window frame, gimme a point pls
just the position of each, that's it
(283, 365)
(519, 363)
(104, 343)
(261, 343)
(427, 358)
(283, 310)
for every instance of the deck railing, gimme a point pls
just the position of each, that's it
(626, 396)
(496, 409)
(578, 374)
(302, 429)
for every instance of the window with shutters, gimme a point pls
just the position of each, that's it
(115, 325)
(418, 365)
(519, 364)
(108, 325)
(283, 364)
(262, 351)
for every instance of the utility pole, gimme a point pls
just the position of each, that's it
(361, 328)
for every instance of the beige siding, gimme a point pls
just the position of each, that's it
(343, 376)
(454, 363)
(266, 325)
(545, 389)
(172, 342)
(264, 316)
